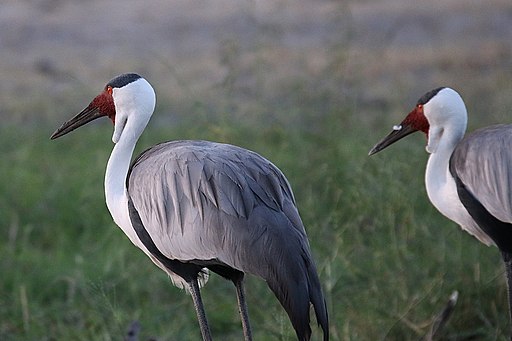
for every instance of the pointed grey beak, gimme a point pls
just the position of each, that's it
(85, 116)
(398, 133)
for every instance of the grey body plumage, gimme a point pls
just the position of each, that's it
(483, 162)
(207, 203)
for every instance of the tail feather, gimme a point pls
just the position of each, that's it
(297, 287)
(278, 251)
(316, 298)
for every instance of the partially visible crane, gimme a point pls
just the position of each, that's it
(468, 179)
(194, 206)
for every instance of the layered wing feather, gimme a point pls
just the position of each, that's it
(483, 162)
(193, 195)
(209, 203)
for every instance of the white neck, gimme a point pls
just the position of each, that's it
(115, 176)
(438, 179)
(441, 187)
(447, 116)
(134, 104)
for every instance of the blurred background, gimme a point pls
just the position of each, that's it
(311, 85)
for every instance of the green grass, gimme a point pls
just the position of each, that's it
(388, 261)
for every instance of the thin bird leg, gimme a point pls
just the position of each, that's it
(242, 306)
(201, 315)
(507, 258)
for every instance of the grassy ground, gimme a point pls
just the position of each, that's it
(388, 261)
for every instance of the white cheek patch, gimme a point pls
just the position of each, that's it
(118, 129)
(115, 137)
(434, 135)
(120, 120)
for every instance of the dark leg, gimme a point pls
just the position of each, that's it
(507, 258)
(201, 315)
(237, 277)
(242, 306)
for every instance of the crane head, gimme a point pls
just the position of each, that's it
(429, 115)
(125, 95)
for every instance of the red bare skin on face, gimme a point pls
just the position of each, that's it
(105, 103)
(417, 120)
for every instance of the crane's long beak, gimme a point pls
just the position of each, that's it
(85, 116)
(399, 132)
